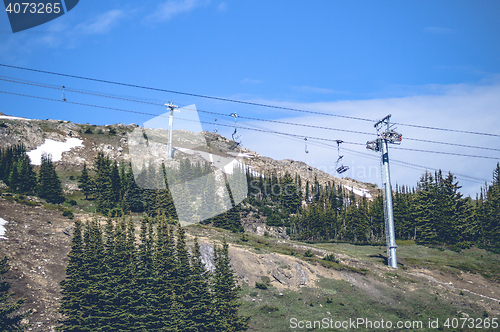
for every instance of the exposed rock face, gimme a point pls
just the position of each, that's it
(207, 256)
(302, 276)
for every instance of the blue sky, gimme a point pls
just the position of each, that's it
(428, 63)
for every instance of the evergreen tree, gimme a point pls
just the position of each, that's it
(27, 177)
(165, 265)
(425, 210)
(85, 182)
(492, 227)
(226, 294)
(74, 285)
(289, 197)
(133, 194)
(49, 185)
(201, 298)
(10, 319)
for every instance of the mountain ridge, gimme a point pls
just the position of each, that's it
(112, 141)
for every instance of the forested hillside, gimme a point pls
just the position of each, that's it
(433, 212)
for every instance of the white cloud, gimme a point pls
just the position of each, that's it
(461, 106)
(167, 10)
(250, 81)
(103, 23)
(311, 89)
(438, 30)
(222, 7)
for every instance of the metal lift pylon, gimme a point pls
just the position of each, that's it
(381, 144)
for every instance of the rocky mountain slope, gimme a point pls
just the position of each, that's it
(113, 141)
(301, 280)
(428, 283)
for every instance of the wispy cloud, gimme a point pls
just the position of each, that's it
(438, 30)
(222, 7)
(250, 81)
(103, 23)
(312, 89)
(471, 107)
(167, 10)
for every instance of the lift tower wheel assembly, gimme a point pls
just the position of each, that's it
(381, 145)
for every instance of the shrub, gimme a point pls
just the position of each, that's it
(331, 258)
(268, 308)
(308, 253)
(261, 285)
(68, 213)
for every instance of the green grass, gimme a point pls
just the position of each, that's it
(472, 260)
(338, 300)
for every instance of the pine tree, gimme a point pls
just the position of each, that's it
(27, 177)
(182, 275)
(426, 213)
(165, 265)
(492, 231)
(289, 197)
(14, 180)
(49, 185)
(85, 182)
(226, 294)
(145, 275)
(74, 285)
(201, 311)
(10, 319)
(133, 194)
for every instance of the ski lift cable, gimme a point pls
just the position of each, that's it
(398, 163)
(290, 136)
(236, 101)
(8, 79)
(246, 128)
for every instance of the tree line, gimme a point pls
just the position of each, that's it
(118, 283)
(433, 212)
(17, 172)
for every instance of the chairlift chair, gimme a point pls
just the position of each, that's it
(235, 136)
(305, 140)
(342, 168)
(63, 97)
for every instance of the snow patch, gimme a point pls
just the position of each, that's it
(55, 148)
(8, 117)
(2, 228)
(359, 192)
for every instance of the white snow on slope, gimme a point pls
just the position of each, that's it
(55, 148)
(8, 117)
(2, 229)
(359, 192)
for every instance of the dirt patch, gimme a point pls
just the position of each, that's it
(37, 249)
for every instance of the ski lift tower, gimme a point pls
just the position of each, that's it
(380, 144)
(172, 108)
